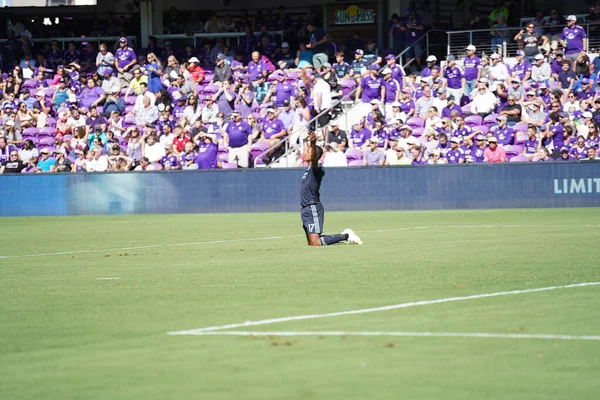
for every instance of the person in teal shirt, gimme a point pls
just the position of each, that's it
(97, 133)
(45, 163)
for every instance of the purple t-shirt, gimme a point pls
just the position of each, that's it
(407, 106)
(238, 134)
(256, 69)
(371, 88)
(5, 154)
(283, 91)
(359, 138)
(505, 136)
(397, 74)
(271, 128)
(578, 152)
(559, 135)
(391, 88)
(244, 108)
(169, 161)
(462, 132)
(453, 156)
(471, 65)
(125, 56)
(89, 96)
(207, 156)
(574, 38)
(453, 76)
(531, 146)
(413, 34)
(477, 154)
(226, 106)
(447, 111)
(521, 69)
(382, 135)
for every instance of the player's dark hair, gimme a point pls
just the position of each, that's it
(319, 151)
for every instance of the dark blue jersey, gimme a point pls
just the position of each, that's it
(310, 186)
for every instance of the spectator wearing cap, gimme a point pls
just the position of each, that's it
(522, 69)
(145, 165)
(573, 38)
(398, 72)
(337, 136)
(494, 153)
(284, 58)
(225, 99)
(373, 155)
(530, 40)
(244, 99)
(222, 70)
(184, 87)
(587, 91)
(451, 107)
(281, 91)
(424, 104)
(341, 68)
(431, 64)
(210, 111)
(516, 89)
(286, 115)
(471, 70)
(414, 32)
(477, 150)
(61, 95)
(484, 101)
(196, 71)
(359, 65)
(498, 70)
(193, 111)
(125, 59)
(455, 155)
(273, 129)
(512, 110)
(535, 115)
(317, 43)
(454, 80)
(395, 114)
(206, 157)
(532, 143)
(392, 91)
(540, 71)
(45, 163)
(504, 133)
(334, 157)
(579, 151)
(237, 135)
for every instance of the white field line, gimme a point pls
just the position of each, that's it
(376, 309)
(161, 245)
(403, 334)
(109, 279)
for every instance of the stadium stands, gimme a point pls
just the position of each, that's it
(230, 104)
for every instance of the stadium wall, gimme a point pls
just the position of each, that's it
(370, 188)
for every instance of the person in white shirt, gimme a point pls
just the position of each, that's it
(321, 95)
(484, 102)
(334, 157)
(541, 70)
(115, 124)
(139, 101)
(441, 101)
(153, 150)
(210, 111)
(147, 115)
(498, 70)
(145, 165)
(77, 118)
(98, 163)
(395, 114)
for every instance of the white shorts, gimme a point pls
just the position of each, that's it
(239, 155)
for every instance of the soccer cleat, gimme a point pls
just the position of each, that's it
(352, 237)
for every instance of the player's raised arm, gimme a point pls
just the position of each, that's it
(312, 148)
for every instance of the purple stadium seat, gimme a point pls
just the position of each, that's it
(473, 120)
(48, 131)
(30, 132)
(353, 155)
(211, 89)
(355, 163)
(129, 121)
(128, 109)
(483, 128)
(520, 127)
(223, 157)
(514, 150)
(228, 165)
(418, 132)
(490, 119)
(47, 141)
(519, 158)
(222, 149)
(130, 100)
(415, 122)
(51, 121)
(466, 109)
(520, 138)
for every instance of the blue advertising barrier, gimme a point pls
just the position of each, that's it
(566, 184)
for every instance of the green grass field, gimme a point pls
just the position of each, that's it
(65, 334)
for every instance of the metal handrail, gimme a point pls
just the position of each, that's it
(196, 36)
(63, 40)
(314, 119)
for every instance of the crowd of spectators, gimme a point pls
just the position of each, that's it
(119, 108)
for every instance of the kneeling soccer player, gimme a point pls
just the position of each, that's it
(312, 213)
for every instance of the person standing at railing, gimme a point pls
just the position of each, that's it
(554, 24)
(540, 71)
(498, 70)
(531, 42)
(573, 39)
(392, 91)
(500, 11)
(471, 71)
(414, 32)
(499, 34)
(317, 43)
(454, 80)
(398, 72)
(125, 59)
(397, 28)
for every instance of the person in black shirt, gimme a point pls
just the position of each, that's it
(63, 164)
(337, 136)
(13, 165)
(312, 213)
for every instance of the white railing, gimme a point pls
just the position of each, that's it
(224, 35)
(64, 41)
(580, 17)
(482, 39)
